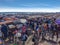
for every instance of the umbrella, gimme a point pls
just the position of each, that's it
(5, 22)
(57, 21)
(23, 20)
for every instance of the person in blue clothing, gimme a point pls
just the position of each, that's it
(4, 30)
(23, 38)
(54, 31)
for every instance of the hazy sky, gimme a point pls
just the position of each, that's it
(30, 5)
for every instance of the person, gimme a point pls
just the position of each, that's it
(35, 39)
(24, 38)
(1, 35)
(1, 41)
(12, 31)
(58, 27)
(59, 42)
(18, 38)
(43, 31)
(40, 31)
(49, 30)
(4, 30)
(23, 28)
(29, 31)
(54, 31)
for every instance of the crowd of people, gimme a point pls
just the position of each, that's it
(40, 28)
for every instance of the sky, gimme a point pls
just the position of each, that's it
(29, 5)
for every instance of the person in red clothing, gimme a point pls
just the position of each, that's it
(23, 29)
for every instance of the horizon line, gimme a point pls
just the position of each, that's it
(29, 10)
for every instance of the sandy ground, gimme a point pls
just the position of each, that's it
(46, 42)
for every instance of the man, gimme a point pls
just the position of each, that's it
(24, 38)
(4, 30)
(54, 30)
